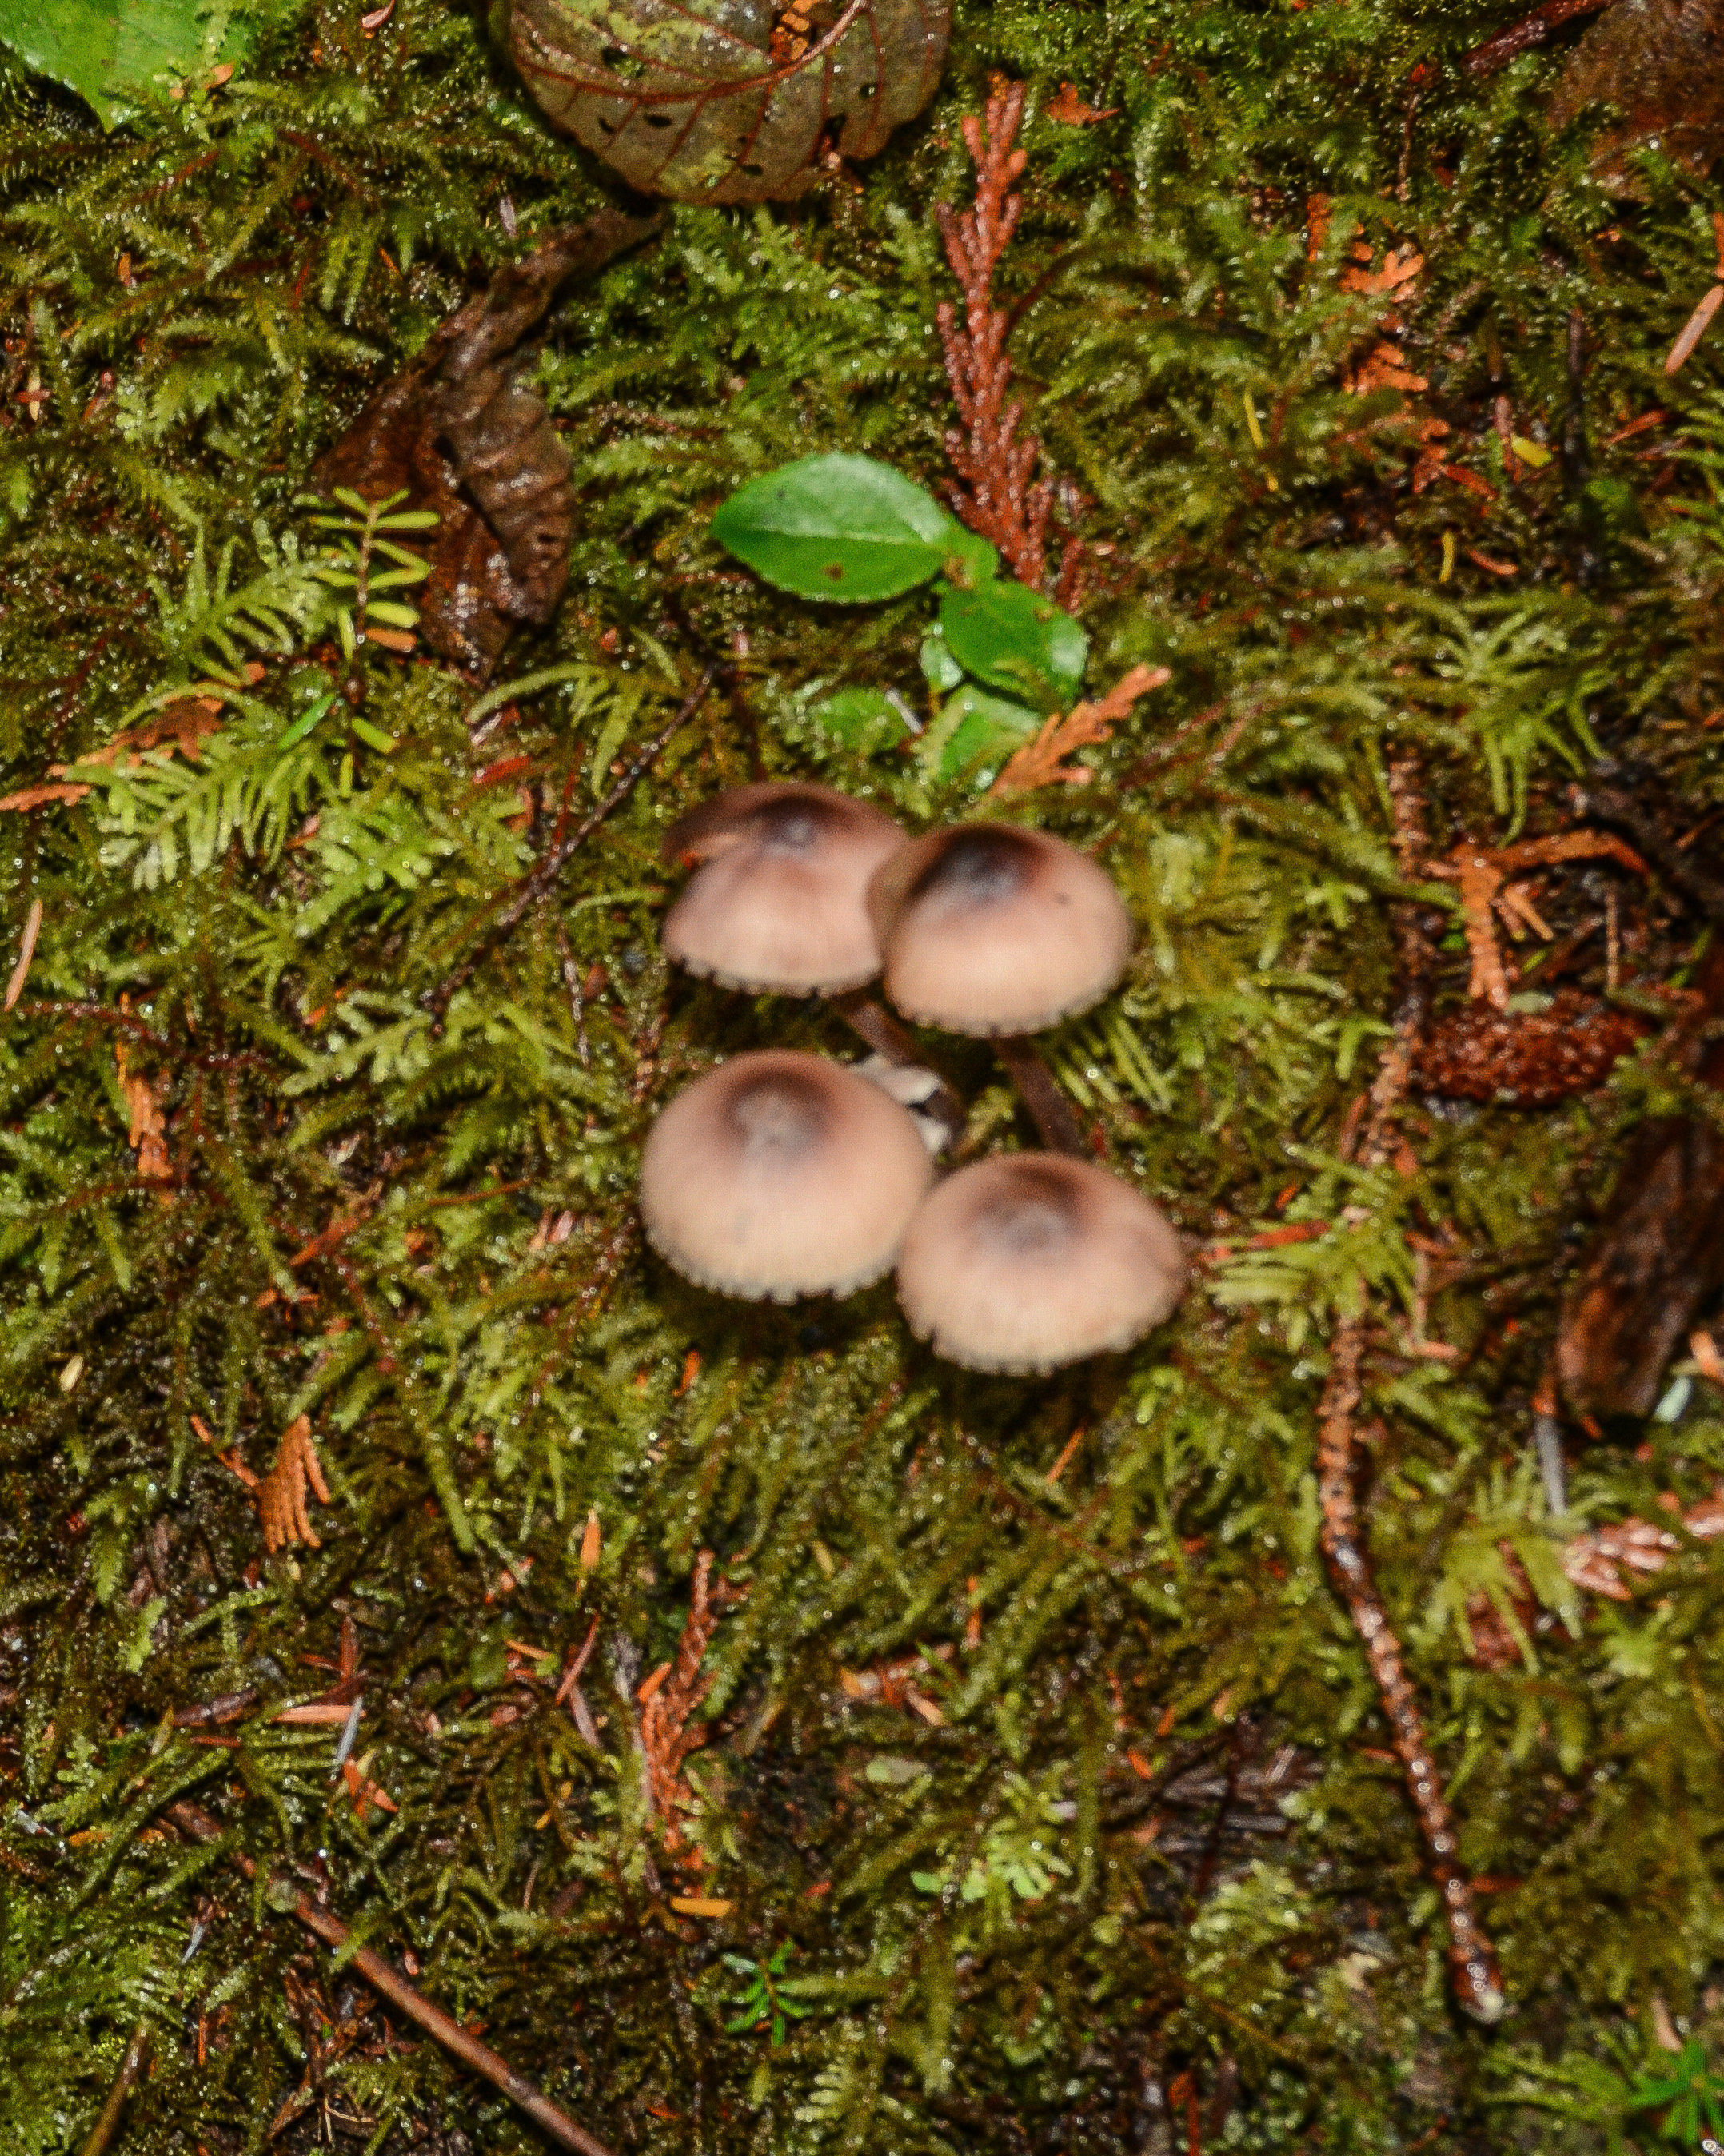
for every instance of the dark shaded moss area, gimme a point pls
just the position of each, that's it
(1150, 1830)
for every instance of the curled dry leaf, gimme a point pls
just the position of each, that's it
(729, 100)
(462, 435)
(1661, 63)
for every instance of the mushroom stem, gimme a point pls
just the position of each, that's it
(1048, 1106)
(882, 1033)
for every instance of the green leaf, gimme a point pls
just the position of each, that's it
(841, 527)
(114, 53)
(973, 724)
(1014, 640)
(863, 719)
(939, 669)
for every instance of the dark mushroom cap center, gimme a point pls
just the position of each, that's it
(979, 868)
(792, 827)
(1036, 1217)
(780, 1119)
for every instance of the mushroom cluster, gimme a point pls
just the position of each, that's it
(782, 1174)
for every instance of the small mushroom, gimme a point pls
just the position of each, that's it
(996, 930)
(992, 929)
(778, 905)
(1028, 1260)
(780, 1175)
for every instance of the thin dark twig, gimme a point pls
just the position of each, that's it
(1636, 800)
(131, 2067)
(532, 888)
(193, 1820)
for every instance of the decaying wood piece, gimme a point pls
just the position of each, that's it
(1472, 1959)
(1659, 1258)
(729, 100)
(461, 433)
(1661, 63)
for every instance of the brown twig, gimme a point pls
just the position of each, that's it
(200, 1825)
(543, 879)
(994, 492)
(131, 2067)
(1497, 52)
(27, 952)
(1472, 1959)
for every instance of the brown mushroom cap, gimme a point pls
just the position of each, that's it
(781, 1174)
(780, 904)
(1030, 1259)
(993, 929)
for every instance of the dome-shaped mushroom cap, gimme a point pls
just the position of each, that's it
(992, 929)
(780, 902)
(1030, 1259)
(781, 1174)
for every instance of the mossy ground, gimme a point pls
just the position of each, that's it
(1155, 1832)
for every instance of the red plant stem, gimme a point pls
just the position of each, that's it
(192, 1820)
(1472, 1960)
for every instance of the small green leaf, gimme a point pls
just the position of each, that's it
(374, 737)
(307, 721)
(1014, 640)
(841, 527)
(887, 1772)
(939, 669)
(974, 725)
(392, 615)
(864, 719)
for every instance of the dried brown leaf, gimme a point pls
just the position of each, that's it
(729, 100)
(1661, 63)
(461, 433)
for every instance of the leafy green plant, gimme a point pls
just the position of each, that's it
(766, 2001)
(349, 567)
(849, 531)
(1681, 2087)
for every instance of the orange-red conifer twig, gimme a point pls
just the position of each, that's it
(995, 492)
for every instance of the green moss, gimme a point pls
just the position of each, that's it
(1013, 1926)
